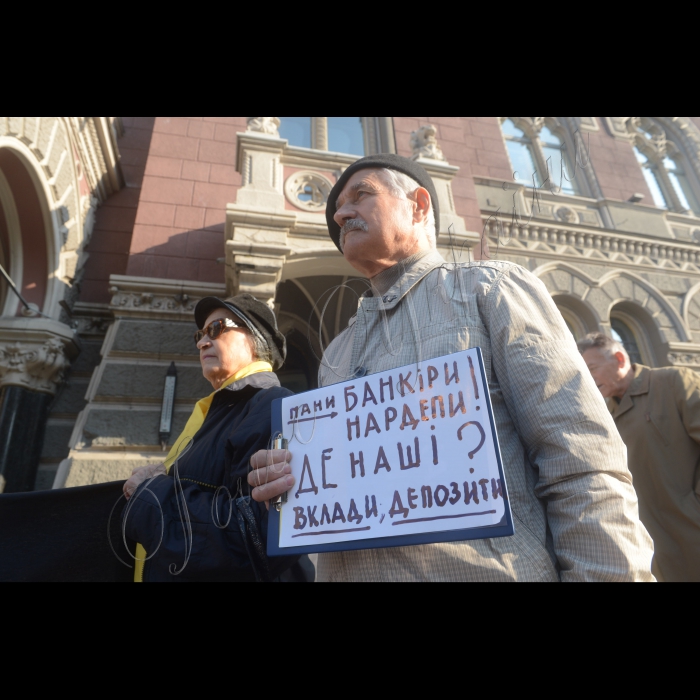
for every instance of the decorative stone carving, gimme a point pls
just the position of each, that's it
(151, 302)
(39, 368)
(265, 125)
(596, 245)
(425, 144)
(308, 190)
(567, 215)
(153, 298)
(684, 359)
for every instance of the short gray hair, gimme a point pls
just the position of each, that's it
(404, 187)
(600, 341)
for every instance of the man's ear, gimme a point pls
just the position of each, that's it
(621, 359)
(423, 205)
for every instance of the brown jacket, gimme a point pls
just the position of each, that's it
(659, 420)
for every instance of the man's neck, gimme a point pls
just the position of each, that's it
(386, 279)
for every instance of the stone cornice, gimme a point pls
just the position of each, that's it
(593, 245)
(35, 353)
(145, 297)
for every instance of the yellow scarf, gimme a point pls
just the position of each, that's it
(194, 425)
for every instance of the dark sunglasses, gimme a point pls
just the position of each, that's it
(215, 330)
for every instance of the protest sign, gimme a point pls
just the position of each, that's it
(403, 457)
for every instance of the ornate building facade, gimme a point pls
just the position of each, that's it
(114, 227)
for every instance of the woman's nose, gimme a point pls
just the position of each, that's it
(204, 343)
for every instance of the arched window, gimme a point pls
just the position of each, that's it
(539, 153)
(522, 154)
(662, 162)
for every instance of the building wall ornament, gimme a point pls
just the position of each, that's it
(595, 245)
(684, 359)
(37, 368)
(308, 190)
(265, 125)
(425, 144)
(158, 299)
(35, 353)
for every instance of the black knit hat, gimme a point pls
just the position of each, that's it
(391, 162)
(257, 317)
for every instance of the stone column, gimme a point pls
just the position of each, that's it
(34, 356)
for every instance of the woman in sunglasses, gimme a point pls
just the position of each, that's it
(193, 516)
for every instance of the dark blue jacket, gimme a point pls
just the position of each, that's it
(237, 426)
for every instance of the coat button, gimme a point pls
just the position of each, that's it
(360, 372)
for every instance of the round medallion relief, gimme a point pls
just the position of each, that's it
(567, 215)
(308, 190)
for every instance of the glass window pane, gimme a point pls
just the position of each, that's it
(523, 162)
(297, 130)
(656, 191)
(652, 182)
(549, 139)
(678, 182)
(345, 135)
(559, 172)
(509, 129)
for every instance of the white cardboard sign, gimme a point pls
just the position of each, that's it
(400, 453)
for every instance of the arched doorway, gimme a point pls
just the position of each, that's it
(25, 232)
(312, 312)
(30, 352)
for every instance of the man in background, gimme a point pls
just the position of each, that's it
(657, 412)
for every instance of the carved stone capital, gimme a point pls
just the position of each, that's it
(35, 353)
(265, 125)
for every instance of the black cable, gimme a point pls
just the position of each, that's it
(13, 287)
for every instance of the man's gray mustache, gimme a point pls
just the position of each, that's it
(352, 225)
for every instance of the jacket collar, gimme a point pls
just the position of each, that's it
(640, 385)
(407, 276)
(262, 380)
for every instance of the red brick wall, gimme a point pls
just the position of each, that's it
(190, 178)
(454, 137)
(615, 164)
(111, 238)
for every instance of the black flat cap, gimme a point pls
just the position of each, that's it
(391, 162)
(257, 316)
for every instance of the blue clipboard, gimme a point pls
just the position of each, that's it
(505, 528)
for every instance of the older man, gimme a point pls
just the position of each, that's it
(570, 489)
(657, 412)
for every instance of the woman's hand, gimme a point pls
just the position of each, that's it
(140, 475)
(271, 475)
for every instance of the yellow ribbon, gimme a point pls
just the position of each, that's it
(193, 426)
